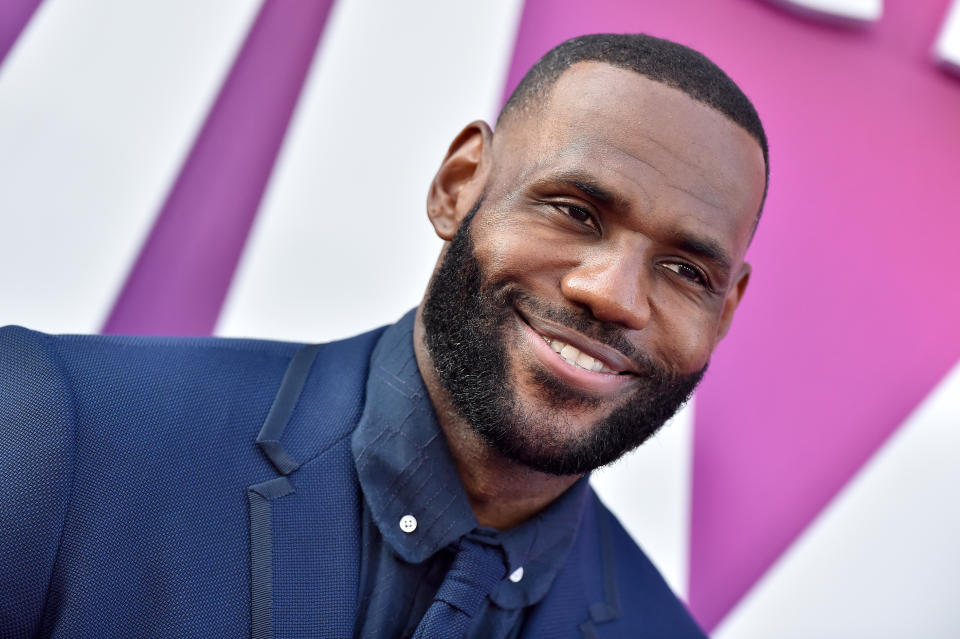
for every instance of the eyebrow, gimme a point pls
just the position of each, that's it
(702, 247)
(586, 183)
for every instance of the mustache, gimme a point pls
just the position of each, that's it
(582, 322)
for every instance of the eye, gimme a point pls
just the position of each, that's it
(578, 214)
(688, 272)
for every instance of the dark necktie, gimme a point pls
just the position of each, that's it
(476, 569)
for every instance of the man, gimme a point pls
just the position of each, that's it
(427, 479)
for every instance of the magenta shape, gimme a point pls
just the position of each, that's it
(14, 16)
(180, 279)
(853, 312)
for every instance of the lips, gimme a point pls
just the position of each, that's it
(556, 335)
(576, 358)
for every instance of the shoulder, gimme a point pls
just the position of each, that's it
(646, 604)
(136, 388)
(23, 347)
(132, 386)
(36, 471)
(36, 405)
(105, 440)
(608, 589)
(104, 364)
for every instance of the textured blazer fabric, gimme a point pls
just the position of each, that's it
(204, 487)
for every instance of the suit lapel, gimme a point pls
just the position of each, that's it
(305, 523)
(584, 595)
(314, 551)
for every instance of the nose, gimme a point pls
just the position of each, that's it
(615, 288)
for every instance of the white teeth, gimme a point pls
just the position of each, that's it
(574, 357)
(569, 353)
(585, 361)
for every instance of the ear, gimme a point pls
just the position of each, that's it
(732, 301)
(460, 179)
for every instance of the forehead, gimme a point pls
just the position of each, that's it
(654, 145)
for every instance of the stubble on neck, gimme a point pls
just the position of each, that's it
(502, 493)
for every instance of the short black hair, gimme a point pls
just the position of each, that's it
(660, 60)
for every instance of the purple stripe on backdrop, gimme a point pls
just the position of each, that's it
(845, 326)
(180, 279)
(14, 16)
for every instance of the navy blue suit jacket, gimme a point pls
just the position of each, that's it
(156, 487)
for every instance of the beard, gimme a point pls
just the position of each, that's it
(466, 317)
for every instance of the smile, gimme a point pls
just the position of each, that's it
(577, 359)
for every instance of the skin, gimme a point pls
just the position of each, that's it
(617, 196)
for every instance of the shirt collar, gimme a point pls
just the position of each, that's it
(405, 469)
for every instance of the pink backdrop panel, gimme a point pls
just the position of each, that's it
(14, 16)
(852, 314)
(183, 272)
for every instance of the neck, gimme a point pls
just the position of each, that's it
(502, 492)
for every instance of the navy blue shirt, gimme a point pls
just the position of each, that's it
(415, 507)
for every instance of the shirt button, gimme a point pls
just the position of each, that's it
(516, 575)
(408, 523)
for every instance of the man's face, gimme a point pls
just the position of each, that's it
(579, 303)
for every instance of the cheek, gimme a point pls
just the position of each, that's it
(685, 341)
(526, 254)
